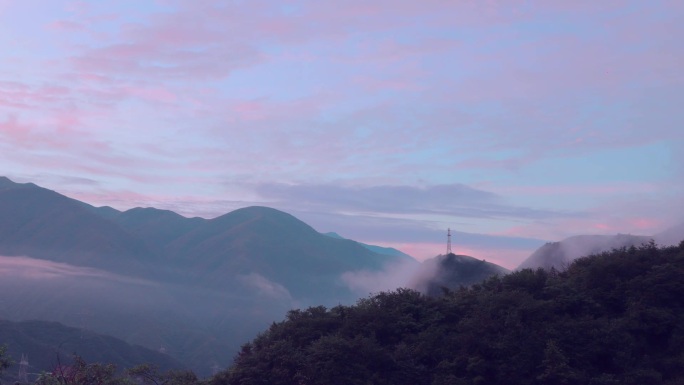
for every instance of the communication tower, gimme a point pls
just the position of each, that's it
(448, 241)
(23, 369)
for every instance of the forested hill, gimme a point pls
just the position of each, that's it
(613, 318)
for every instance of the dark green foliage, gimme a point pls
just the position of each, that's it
(81, 373)
(613, 318)
(5, 360)
(150, 375)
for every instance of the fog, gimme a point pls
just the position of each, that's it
(402, 273)
(200, 327)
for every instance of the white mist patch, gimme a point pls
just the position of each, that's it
(401, 274)
(42, 270)
(671, 237)
(265, 286)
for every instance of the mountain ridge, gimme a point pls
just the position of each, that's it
(559, 254)
(46, 343)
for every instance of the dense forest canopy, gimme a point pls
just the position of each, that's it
(613, 318)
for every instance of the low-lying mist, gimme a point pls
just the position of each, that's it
(199, 326)
(398, 274)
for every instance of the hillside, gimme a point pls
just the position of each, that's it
(44, 224)
(453, 271)
(277, 246)
(613, 318)
(560, 254)
(48, 343)
(378, 249)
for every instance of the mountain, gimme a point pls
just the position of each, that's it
(42, 223)
(200, 287)
(48, 343)
(275, 245)
(560, 254)
(161, 244)
(453, 271)
(157, 227)
(377, 249)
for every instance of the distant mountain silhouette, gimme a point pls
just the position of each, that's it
(157, 227)
(274, 244)
(160, 244)
(42, 223)
(48, 343)
(560, 254)
(453, 271)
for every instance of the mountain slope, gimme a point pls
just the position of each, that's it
(453, 271)
(47, 342)
(275, 245)
(42, 223)
(560, 254)
(377, 249)
(157, 227)
(252, 242)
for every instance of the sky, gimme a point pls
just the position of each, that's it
(511, 122)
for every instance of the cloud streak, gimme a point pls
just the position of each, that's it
(41, 270)
(455, 200)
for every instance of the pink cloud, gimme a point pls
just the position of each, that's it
(40, 270)
(66, 25)
(153, 94)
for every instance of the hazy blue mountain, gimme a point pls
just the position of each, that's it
(277, 246)
(200, 287)
(158, 227)
(47, 343)
(260, 242)
(453, 271)
(560, 254)
(104, 211)
(378, 249)
(42, 223)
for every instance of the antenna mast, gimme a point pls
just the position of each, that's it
(23, 369)
(449, 241)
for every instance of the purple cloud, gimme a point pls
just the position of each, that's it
(456, 200)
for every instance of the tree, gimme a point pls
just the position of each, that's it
(82, 373)
(5, 359)
(556, 367)
(150, 375)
